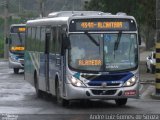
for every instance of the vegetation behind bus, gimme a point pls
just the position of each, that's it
(142, 10)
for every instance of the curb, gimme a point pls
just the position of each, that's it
(154, 96)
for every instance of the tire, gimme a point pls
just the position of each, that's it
(121, 102)
(59, 99)
(16, 70)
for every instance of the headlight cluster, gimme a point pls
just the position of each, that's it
(76, 82)
(130, 82)
(13, 58)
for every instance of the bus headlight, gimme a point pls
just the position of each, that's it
(130, 82)
(14, 58)
(76, 82)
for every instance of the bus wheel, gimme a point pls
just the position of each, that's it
(121, 102)
(16, 70)
(60, 100)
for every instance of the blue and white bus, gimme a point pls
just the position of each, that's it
(16, 41)
(83, 55)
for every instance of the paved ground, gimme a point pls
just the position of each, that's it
(18, 97)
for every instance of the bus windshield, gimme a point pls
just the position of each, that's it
(18, 38)
(113, 52)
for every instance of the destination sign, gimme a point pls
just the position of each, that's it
(89, 62)
(102, 25)
(17, 48)
(16, 29)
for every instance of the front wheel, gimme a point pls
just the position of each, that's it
(16, 70)
(60, 100)
(121, 102)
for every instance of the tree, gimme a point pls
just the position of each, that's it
(142, 10)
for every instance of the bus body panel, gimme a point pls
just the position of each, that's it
(29, 68)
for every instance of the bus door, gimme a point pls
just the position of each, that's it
(54, 58)
(47, 46)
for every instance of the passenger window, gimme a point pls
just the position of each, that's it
(43, 33)
(53, 41)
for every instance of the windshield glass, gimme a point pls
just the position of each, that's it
(84, 53)
(17, 40)
(103, 52)
(120, 51)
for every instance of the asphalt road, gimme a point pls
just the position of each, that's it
(18, 101)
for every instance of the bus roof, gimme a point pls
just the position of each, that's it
(18, 25)
(63, 17)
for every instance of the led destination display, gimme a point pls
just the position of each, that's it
(102, 25)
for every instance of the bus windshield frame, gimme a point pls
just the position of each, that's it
(99, 63)
(17, 39)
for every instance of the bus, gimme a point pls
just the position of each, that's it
(16, 41)
(83, 55)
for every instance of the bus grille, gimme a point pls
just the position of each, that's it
(103, 92)
(100, 84)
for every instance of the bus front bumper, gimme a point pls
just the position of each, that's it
(73, 92)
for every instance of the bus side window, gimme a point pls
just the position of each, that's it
(58, 40)
(47, 41)
(42, 47)
(33, 39)
(53, 41)
(38, 37)
(28, 40)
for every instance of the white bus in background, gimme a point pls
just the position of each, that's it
(16, 41)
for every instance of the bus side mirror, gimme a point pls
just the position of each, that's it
(65, 45)
(139, 39)
(7, 40)
(139, 36)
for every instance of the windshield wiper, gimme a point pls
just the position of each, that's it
(20, 38)
(92, 39)
(117, 41)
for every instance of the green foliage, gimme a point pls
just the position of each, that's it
(143, 10)
(1, 46)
